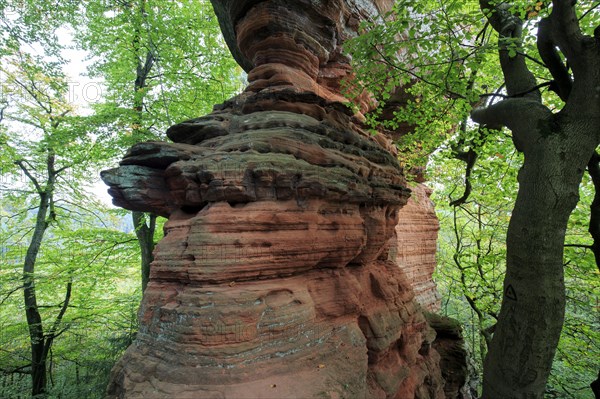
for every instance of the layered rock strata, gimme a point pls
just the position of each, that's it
(416, 245)
(275, 278)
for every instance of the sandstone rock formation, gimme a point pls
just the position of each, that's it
(450, 345)
(276, 278)
(416, 244)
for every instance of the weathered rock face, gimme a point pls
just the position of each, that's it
(449, 344)
(276, 278)
(416, 240)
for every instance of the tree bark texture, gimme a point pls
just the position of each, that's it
(557, 148)
(532, 312)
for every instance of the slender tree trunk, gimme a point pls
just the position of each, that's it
(40, 341)
(34, 319)
(144, 58)
(145, 236)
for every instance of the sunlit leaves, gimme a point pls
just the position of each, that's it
(191, 68)
(471, 256)
(89, 252)
(51, 151)
(442, 51)
(445, 58)
(33, 23)
(471, 260)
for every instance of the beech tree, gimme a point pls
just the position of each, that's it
(548, 99)
(557, 147)
(49, 119)
(48, 158)
(48, 153)
(157, 63)
(472, 254)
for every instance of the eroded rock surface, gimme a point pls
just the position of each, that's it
(416, 240)
(449, 344)
(275, 278)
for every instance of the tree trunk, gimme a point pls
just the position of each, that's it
(38, 375)
(557, 148)
(144, 231)
(145, 236)
(34, 319)
(532, 313)
(594, 226)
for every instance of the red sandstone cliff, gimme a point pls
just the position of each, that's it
(416, 239)
(276, 278)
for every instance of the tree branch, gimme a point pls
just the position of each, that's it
(520, 115)
(143, 70)
(547, 48)
(52, 333)
(10, 293)
(17, 370)
(564, 20)
(414, 75)
(585, 14)
(21, 165)
(578, 246)
(33, 95)
(517, 94)
(517, 75)
(469, 157)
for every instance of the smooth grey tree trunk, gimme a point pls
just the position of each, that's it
(532, 312)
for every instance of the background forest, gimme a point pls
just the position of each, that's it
(72, 268)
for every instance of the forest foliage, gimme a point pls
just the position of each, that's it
(69, 274)
(471, 265)
(445, 56)
(86, 267)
